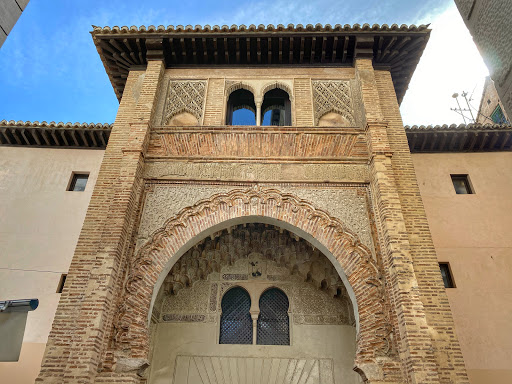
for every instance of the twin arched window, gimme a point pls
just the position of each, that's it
(236, 321)
(274, 110)
(272, 328)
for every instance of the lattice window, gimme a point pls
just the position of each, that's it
(273, 323)
(236, 322)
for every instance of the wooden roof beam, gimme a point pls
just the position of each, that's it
(54, 135)
(258, 50)
(505, 140)
(495, 137)
(46, 138)
(312, 52)
(324, 42)
(463, 141)
(413, 141)
(334, 48)
(301, 55)
(6, 136)
(269, 50)
(194, 50)
(484, 139)
(280, 50)
(84, 138)
(434, 141)
(345, 50)
(237, 49)
(292, 47)
(16, 136)
(35, 135)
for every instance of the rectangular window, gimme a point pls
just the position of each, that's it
(62, 281)
(461, 184)
(78, 182)
(447, 275)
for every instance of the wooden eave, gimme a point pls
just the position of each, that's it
(395, 48)
(57, 135)
(461, 138)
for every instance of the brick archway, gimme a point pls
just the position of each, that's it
(352, 260)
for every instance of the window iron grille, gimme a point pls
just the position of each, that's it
(273, 324)
(236, 322)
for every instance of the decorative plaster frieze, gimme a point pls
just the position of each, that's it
(355, 173)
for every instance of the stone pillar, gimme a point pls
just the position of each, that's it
(258, 112)
(82, 328)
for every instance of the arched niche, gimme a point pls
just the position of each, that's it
(298, 232)
(241, 108)
(350, 258)
(276, 108)
(252, 293)
(333, 119)
(183, 119)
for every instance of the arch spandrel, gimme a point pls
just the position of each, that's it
(351, 259)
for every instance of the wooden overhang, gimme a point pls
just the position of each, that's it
(61, 135)
(395, 48)
(459, 138)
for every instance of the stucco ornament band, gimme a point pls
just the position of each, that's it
(350, 257)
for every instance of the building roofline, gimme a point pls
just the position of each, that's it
(459, 138)
(395, 48)
(59, 135)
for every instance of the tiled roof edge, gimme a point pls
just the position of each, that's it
(460, 127)
(53, 124)
(261, 28)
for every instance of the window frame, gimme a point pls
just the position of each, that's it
(223, 313)
(62, 282)
(73, 179)
(285, 311)
(449, 282)
(467, 183)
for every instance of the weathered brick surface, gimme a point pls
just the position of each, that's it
(82, 325)
(303, 102)
(214, 109)
(405, 327)
(449, 360)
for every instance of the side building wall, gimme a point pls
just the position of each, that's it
(40, 222)
(472, 233)
(489, 24)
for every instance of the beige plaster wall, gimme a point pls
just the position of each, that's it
(39, 226)
(336, 342)
(473, 233)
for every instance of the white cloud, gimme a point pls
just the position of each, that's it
(451, 63)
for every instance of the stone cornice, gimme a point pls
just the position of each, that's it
(60, 135)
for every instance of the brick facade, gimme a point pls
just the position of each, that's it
(405, 329)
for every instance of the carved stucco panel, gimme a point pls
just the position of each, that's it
(316, 293)
(257, 172)
(185, 95)
(332, 96)
(166, 200)
(345, 204)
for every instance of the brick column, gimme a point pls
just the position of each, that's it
(83, 322)
(446, 347)
(414, 342)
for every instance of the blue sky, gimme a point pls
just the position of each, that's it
(50, 70)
